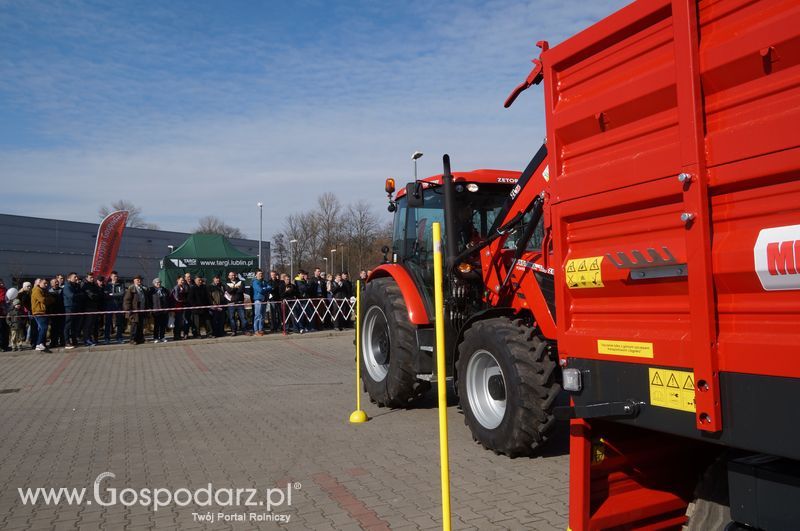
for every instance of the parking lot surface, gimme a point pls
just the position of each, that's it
(249, 414)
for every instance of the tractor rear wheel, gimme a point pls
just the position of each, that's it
(388, 346)
(508, 382)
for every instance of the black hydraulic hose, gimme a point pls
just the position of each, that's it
(450, 232)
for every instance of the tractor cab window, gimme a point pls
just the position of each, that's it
(418, 233)
(477, 212)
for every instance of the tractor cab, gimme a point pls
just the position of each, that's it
(479, 197)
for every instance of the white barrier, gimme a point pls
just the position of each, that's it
(303, 312)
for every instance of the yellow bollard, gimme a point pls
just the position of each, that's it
(358, 416)
(441, 374)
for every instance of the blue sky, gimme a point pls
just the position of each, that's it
(197, 108)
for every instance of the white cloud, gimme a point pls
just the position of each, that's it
(169, 131)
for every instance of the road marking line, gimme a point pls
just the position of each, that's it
(313, 352)
(60, 369)
(197, 361)
(366, 518)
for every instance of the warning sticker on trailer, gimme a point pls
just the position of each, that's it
(636, 349)
(672, 389)
(584, 272)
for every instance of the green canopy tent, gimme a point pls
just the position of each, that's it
(206, 255)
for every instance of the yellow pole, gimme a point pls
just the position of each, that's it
(358, 416)
(441, 374)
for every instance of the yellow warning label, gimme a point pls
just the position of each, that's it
(637, 349)
(584, 272)
(672, 389)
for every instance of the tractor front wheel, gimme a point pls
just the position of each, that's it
(388, 346)
(508, 382)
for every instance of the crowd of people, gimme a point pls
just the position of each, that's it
(72, 311)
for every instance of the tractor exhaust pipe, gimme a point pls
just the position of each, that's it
(450, 229)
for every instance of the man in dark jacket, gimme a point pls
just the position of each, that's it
(198, 296)
(342, 290)
(135, 302)
(277, 288)
(180, 294)
(94, 301)
(303, 307)
(160, 300)
(24, 297)
(114, 292)
(73, 303)
(234, 296)
(56, 307)
(216, 296)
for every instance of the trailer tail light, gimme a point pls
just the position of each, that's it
(464, 267)
(572, 380)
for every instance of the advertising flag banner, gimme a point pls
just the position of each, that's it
(109, 237)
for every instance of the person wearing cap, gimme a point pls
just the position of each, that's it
(135, 302)
(16, 319)
(39, 300)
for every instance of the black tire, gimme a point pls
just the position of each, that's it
(399, 388)
(710, 508)
(532, 380)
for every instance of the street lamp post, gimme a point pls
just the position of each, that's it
(260, 229)
(326, 264)
(415, 157)
(332, 262)
(342, 246)
(291, 259)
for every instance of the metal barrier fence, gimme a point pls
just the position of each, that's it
(301, 314)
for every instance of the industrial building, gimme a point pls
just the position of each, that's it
(40, 247)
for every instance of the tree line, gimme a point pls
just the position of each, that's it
(331, 236)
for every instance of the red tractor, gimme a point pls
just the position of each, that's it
(499, 303)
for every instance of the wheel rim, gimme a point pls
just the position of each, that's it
(486, 389)
(375, 344)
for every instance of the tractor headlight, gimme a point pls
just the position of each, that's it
(572, 379)
(472, 187)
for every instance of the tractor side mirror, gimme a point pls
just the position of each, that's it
(414, 194)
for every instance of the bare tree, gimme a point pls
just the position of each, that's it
(301, 228)
(214, 225)
(362, 232)
(356, 227)
(135, 218)
(280, 252)
(329, 218)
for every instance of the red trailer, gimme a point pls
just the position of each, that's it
(674, 203)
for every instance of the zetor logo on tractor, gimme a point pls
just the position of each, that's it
(777, 258)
